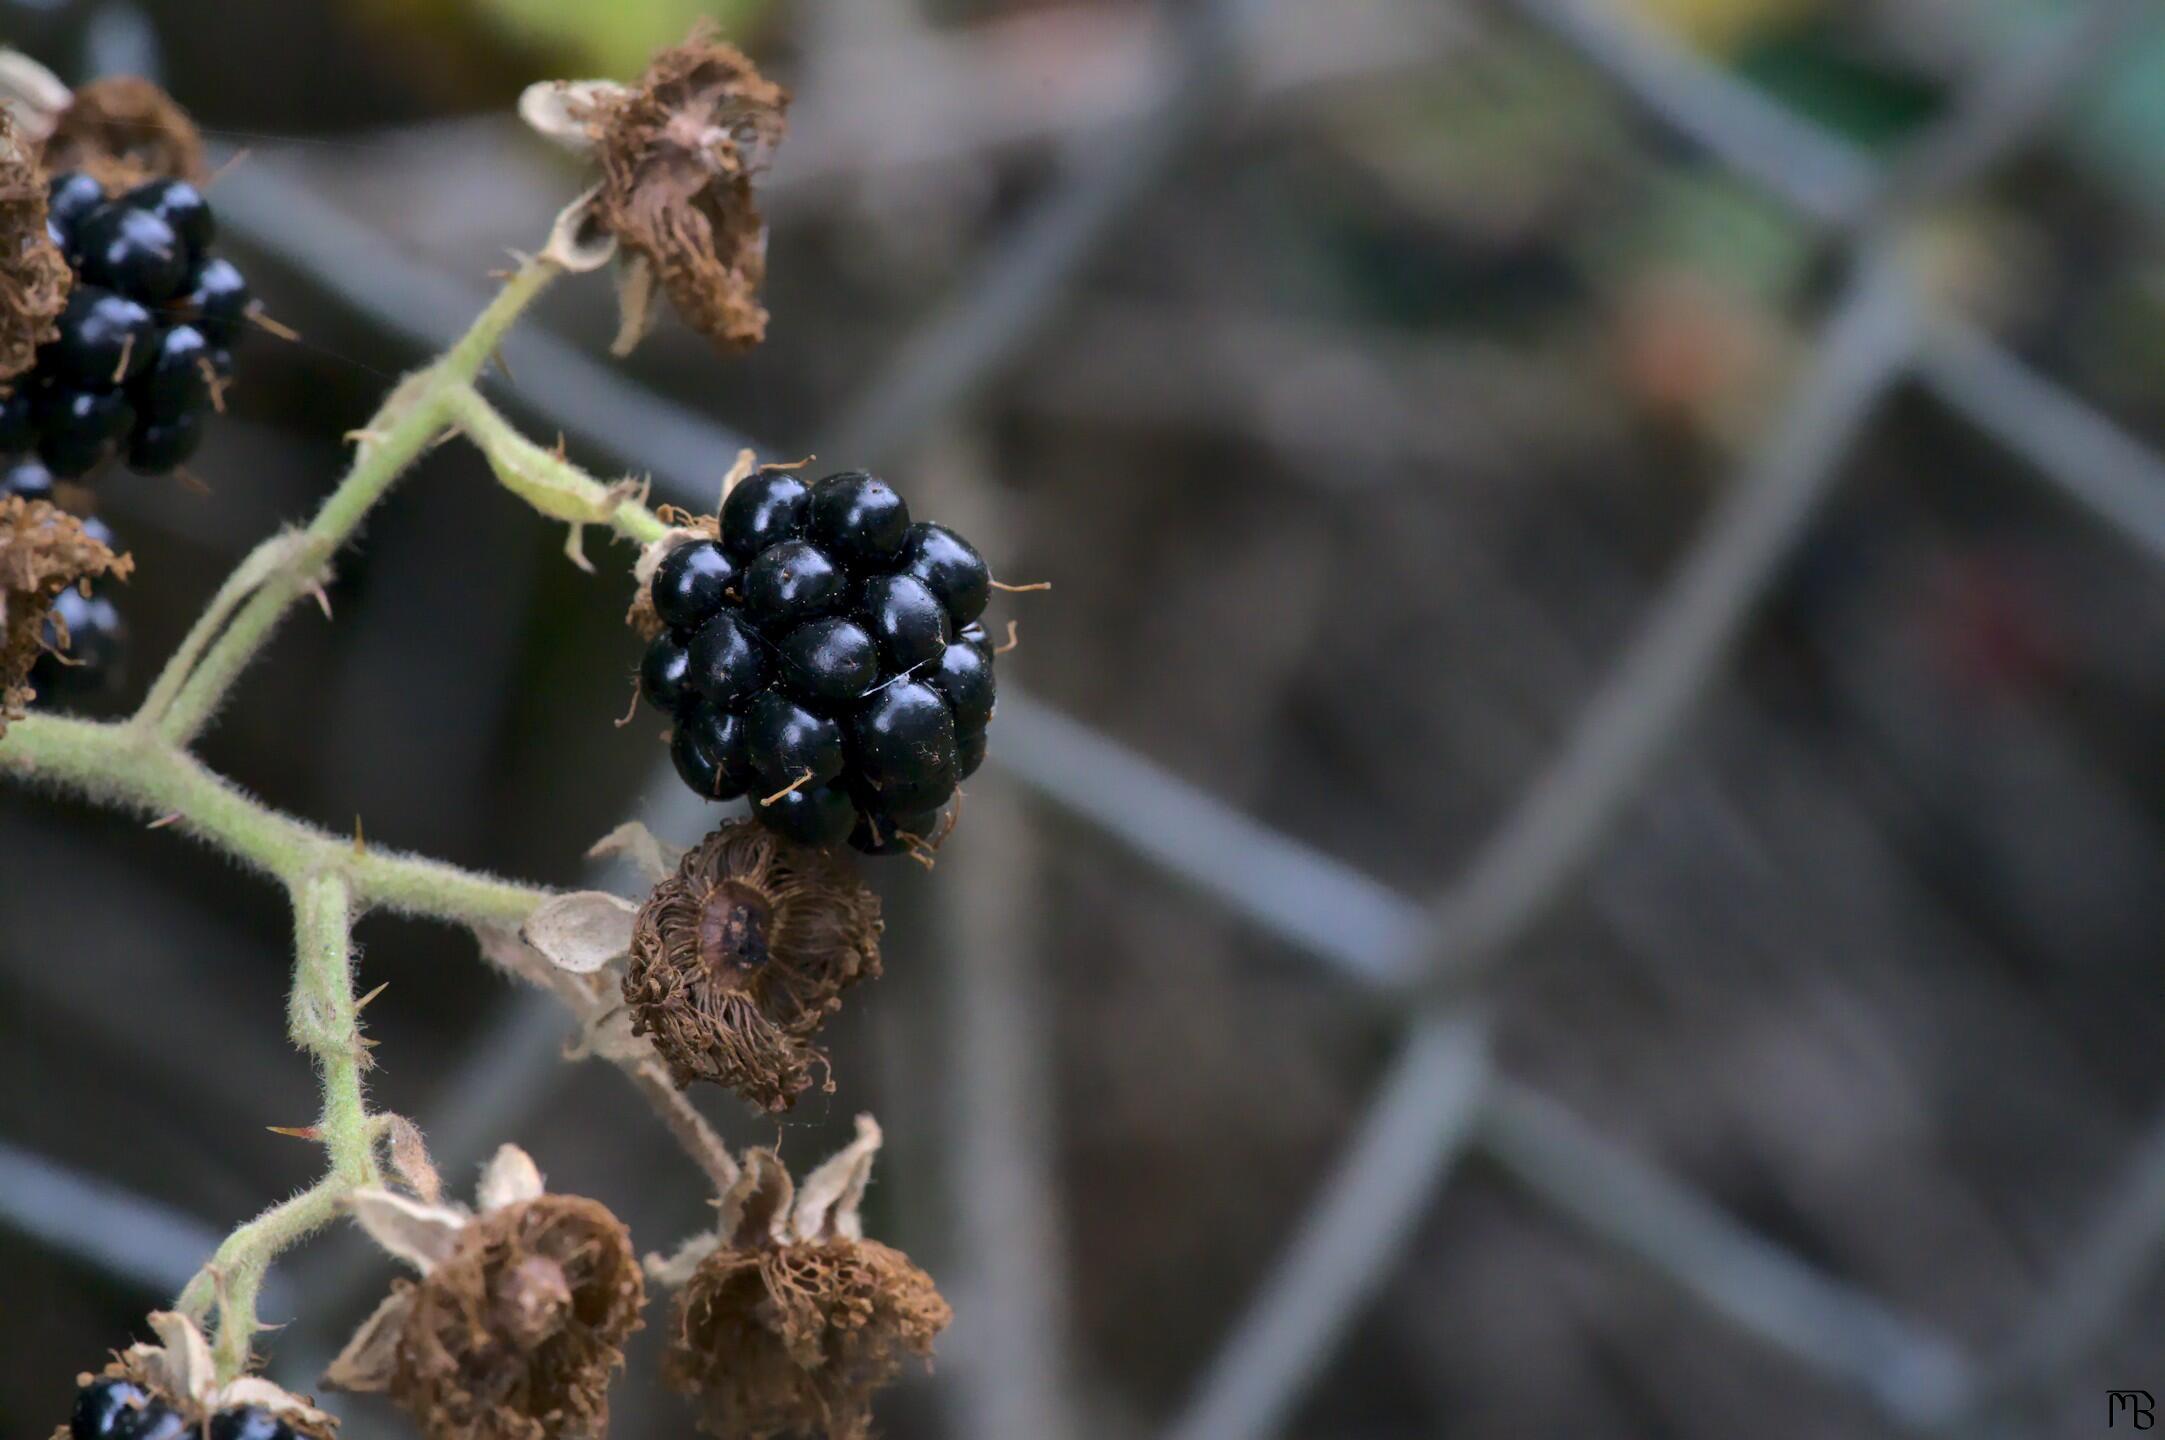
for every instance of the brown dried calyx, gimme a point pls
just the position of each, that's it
(43, 551)
(124, 130)
(739, 957)
(519, 1319)
(34, 276)
(179, 1374)
(787, 1320)
(678, 153)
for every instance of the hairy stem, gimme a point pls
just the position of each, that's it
(410, 419)
(544, 478)
(323, 1020)
(124, 768)
(233, 1277)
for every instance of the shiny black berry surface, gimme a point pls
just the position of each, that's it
(248, 1422)
(101, 1405)
(143, 345)
(689, 584)
(830, 650)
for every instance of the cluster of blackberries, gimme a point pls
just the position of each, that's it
(116, 1409)
(826, 643)
(88, 666)
(146, 338)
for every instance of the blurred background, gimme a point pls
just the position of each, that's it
(1577, 849)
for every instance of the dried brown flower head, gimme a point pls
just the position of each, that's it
(739, 957)
(34, 276)
(43, 551)
(787, 1320)
(678, 153)
(519, 1319)
(125, 130)
(180, 1374)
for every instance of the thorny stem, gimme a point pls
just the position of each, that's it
(409, 421)
(144, 765)
(544, 478)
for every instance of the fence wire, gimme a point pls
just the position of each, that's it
(1444, 1097)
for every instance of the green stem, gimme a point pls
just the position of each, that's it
(233, 1277)
(261, 563)
(323, 1019)
(544, 478)
(410, 419)
(124, 768)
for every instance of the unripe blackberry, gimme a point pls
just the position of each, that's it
(833, 652)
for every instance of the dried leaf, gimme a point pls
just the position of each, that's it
(421, 1235)
(578, 242)
(756, 1209)
(582, 931)
(648, 853)
(183, 1362)
(675, 1271)
(829, 1198)
(294, 1409)
(409, 1157)
(371, 1356)
(511, 1178)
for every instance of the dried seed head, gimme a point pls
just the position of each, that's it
(678, 152)
(125, 130)
(796, 1339)
(740, 957)
(34, 276)
(43, 551)
(789, 1321)
(515, 1335)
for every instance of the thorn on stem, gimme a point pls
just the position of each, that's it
(323, 600)
(360, 841)
(362, 1003)
(168, 818)
(297, 1132)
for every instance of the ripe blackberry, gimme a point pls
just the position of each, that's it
(248, 1422)
(88, 666)
(26, 476)
(689, 584)
(101, 1407)
(145, 338)
(829, 649)
(787, 743)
